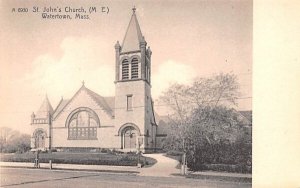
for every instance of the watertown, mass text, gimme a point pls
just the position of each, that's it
(56, 16)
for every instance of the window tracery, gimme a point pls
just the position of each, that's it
(82, 125)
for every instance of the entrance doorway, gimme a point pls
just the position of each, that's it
(40, 137)
(129, 138)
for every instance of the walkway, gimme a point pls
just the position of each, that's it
(164, 167)
(100, 168)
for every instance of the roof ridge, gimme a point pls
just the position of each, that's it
(56, 110)
(71, 99)
(58, 105)
(105, 106)
(95, 96)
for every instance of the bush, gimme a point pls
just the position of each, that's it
(174, 153)
(53, 150)
(79, 158)
(230, 157)
(229, 168)
(17, 144)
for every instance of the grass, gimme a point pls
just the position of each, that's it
(80, 158)
(221, 178)
(177, 157)
(234, 168)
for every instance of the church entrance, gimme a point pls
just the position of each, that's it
(129, 138)
(40, 137)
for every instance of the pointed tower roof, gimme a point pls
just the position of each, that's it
(44, 109)
(133, 35)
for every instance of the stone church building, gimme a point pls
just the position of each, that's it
(124, 122)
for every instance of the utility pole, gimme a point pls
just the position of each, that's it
(139, 152)
(183, 166)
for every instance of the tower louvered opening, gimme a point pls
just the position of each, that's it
(125, 69)
(134, 68)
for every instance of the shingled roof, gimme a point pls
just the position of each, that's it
(45, 109)
(106, 103)
(61, 105)
(102, 102)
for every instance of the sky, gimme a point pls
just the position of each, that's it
(188, 39)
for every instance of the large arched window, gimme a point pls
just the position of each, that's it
(125, 69)
(82, 124)
(134, 68)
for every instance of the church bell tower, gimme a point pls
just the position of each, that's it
(133, 103)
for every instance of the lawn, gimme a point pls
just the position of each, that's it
(235, 168)
(88, 158)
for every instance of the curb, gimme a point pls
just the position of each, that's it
(220, 178)
(69, 169)
(136, 173)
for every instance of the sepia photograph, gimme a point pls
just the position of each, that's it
(126, 93)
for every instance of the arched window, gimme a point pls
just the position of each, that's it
(125, 69)
(134, 68)
(82, 124)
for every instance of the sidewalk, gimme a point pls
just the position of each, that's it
(97, 168)
(165, 167)
(211, 173)
(224, 176)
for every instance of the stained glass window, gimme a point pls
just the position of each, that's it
(83, 125)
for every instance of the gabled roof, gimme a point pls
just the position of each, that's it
(106, 103)
(45, 109)
(110, 101)
(133, 36)
(159, 118)
(61, 105)
(101, 101)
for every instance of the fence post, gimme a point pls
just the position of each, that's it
(183, 164)
(50, 164)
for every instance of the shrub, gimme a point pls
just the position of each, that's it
(79, 158)
(230, 157)
(174, 153)
(17, 144)
(53, 150)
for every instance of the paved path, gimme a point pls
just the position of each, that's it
(164, 167)
(222, 174)
(103, 168)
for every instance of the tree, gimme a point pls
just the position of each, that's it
(176, 97)
(6, 133)
(201, 114)
(13, 141)
(222, 88)
(20, 144)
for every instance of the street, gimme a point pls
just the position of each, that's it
(22, 177)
